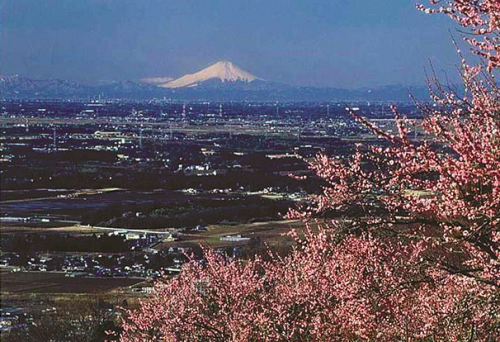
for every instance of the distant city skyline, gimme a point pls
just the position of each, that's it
(333, 43)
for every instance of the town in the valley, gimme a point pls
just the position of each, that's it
(102, 197)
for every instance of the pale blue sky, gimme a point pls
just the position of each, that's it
(346, 43)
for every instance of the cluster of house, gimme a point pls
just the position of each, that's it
(144, 265)
(12, 318)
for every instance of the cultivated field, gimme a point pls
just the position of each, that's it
(41, 282)
(271, 233)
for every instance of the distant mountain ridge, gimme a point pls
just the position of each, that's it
(222, 81)
(18, 85)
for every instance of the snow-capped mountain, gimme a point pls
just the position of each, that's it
(156, 80)
(222, 71)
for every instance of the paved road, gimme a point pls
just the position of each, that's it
(134, 230)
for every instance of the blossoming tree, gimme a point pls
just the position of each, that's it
(419, 261)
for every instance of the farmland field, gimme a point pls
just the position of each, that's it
(41, 282)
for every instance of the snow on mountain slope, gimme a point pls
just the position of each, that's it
(222, 70)
(156, 80)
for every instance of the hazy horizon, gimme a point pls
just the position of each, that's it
(316, 43)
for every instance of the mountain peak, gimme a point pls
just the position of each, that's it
(225, 71)
(223, 63)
